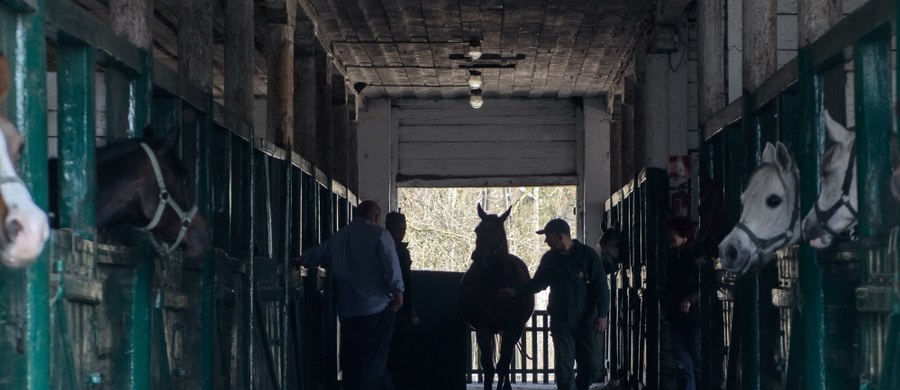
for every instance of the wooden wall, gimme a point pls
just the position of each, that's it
(507, 142)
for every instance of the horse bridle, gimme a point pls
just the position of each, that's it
(823, 216)
(165, 199)
(784, 237)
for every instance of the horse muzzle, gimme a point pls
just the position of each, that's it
(25, 231)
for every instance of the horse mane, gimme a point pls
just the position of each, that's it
(125, 147)
(117, 149)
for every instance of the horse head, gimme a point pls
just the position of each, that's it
(490, 236)
(835, 209)
(610, 242)
(144, 183)
(25, 228)
(770, 213)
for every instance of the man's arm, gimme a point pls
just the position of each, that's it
(538, 282)
(317, 255)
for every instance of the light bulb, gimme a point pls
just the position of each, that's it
(476, 101)
(474, 51)
(475, 81)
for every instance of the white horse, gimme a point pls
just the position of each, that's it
(835, 208)
(24, 225)
(770, 213)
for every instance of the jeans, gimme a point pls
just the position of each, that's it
(686, 351)
(365, 342)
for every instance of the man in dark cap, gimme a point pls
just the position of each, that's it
(579, 304)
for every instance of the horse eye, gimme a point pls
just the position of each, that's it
(773, 201)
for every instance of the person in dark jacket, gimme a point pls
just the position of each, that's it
(578, 307)
(401, 344)
(682, 296)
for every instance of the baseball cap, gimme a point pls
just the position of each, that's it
(555, 226)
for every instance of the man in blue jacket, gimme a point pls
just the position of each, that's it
(363, 261)
(578, 307)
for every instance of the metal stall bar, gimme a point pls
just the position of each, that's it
(873, 136)
(749, 285)
(249, 345)
(25, 309)
(203, 129)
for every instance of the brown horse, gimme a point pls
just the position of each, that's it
(24, 225)
(493, 268)
(142, 182)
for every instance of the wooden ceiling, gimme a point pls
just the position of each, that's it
(532, 48)
(416, 48)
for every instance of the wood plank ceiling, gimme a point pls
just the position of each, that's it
(416, 48)
(532, 48)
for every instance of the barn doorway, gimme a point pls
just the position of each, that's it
(440, 232)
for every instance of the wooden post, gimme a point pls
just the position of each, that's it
(615, 144)
(324, 131)
(131, 19)
(195, 42)
(341, 122)
(280, 97)
(759, 42)
(305, 91)
(630, 127)
(815, 18)
(239, 67)
(354, 157)
(711, 67)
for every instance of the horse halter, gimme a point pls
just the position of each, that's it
(823, 216)
(784, 237)
(165, 199)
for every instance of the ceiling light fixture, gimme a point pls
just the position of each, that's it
(474, 50)
(475, 99)
(475, 80)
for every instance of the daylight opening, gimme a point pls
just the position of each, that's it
(441, 223)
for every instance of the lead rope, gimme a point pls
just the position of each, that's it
(164, 200)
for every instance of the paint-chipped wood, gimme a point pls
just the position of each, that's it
(759, 42)
(238, 58)
(195, 42)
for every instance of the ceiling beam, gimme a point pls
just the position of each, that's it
(669, 11)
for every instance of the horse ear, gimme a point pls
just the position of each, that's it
(481, 213)
(163, 143)
(505, 214)
(783, 158)
(768, 156)
(838, 132)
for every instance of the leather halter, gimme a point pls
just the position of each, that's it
(165, 199)
(823, 216)
(784, 237)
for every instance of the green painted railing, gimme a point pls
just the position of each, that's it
(800, 91)
(128, 318)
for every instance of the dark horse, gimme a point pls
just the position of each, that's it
(493, 268)
(142, 182)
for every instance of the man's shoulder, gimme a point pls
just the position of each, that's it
(585, 250)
